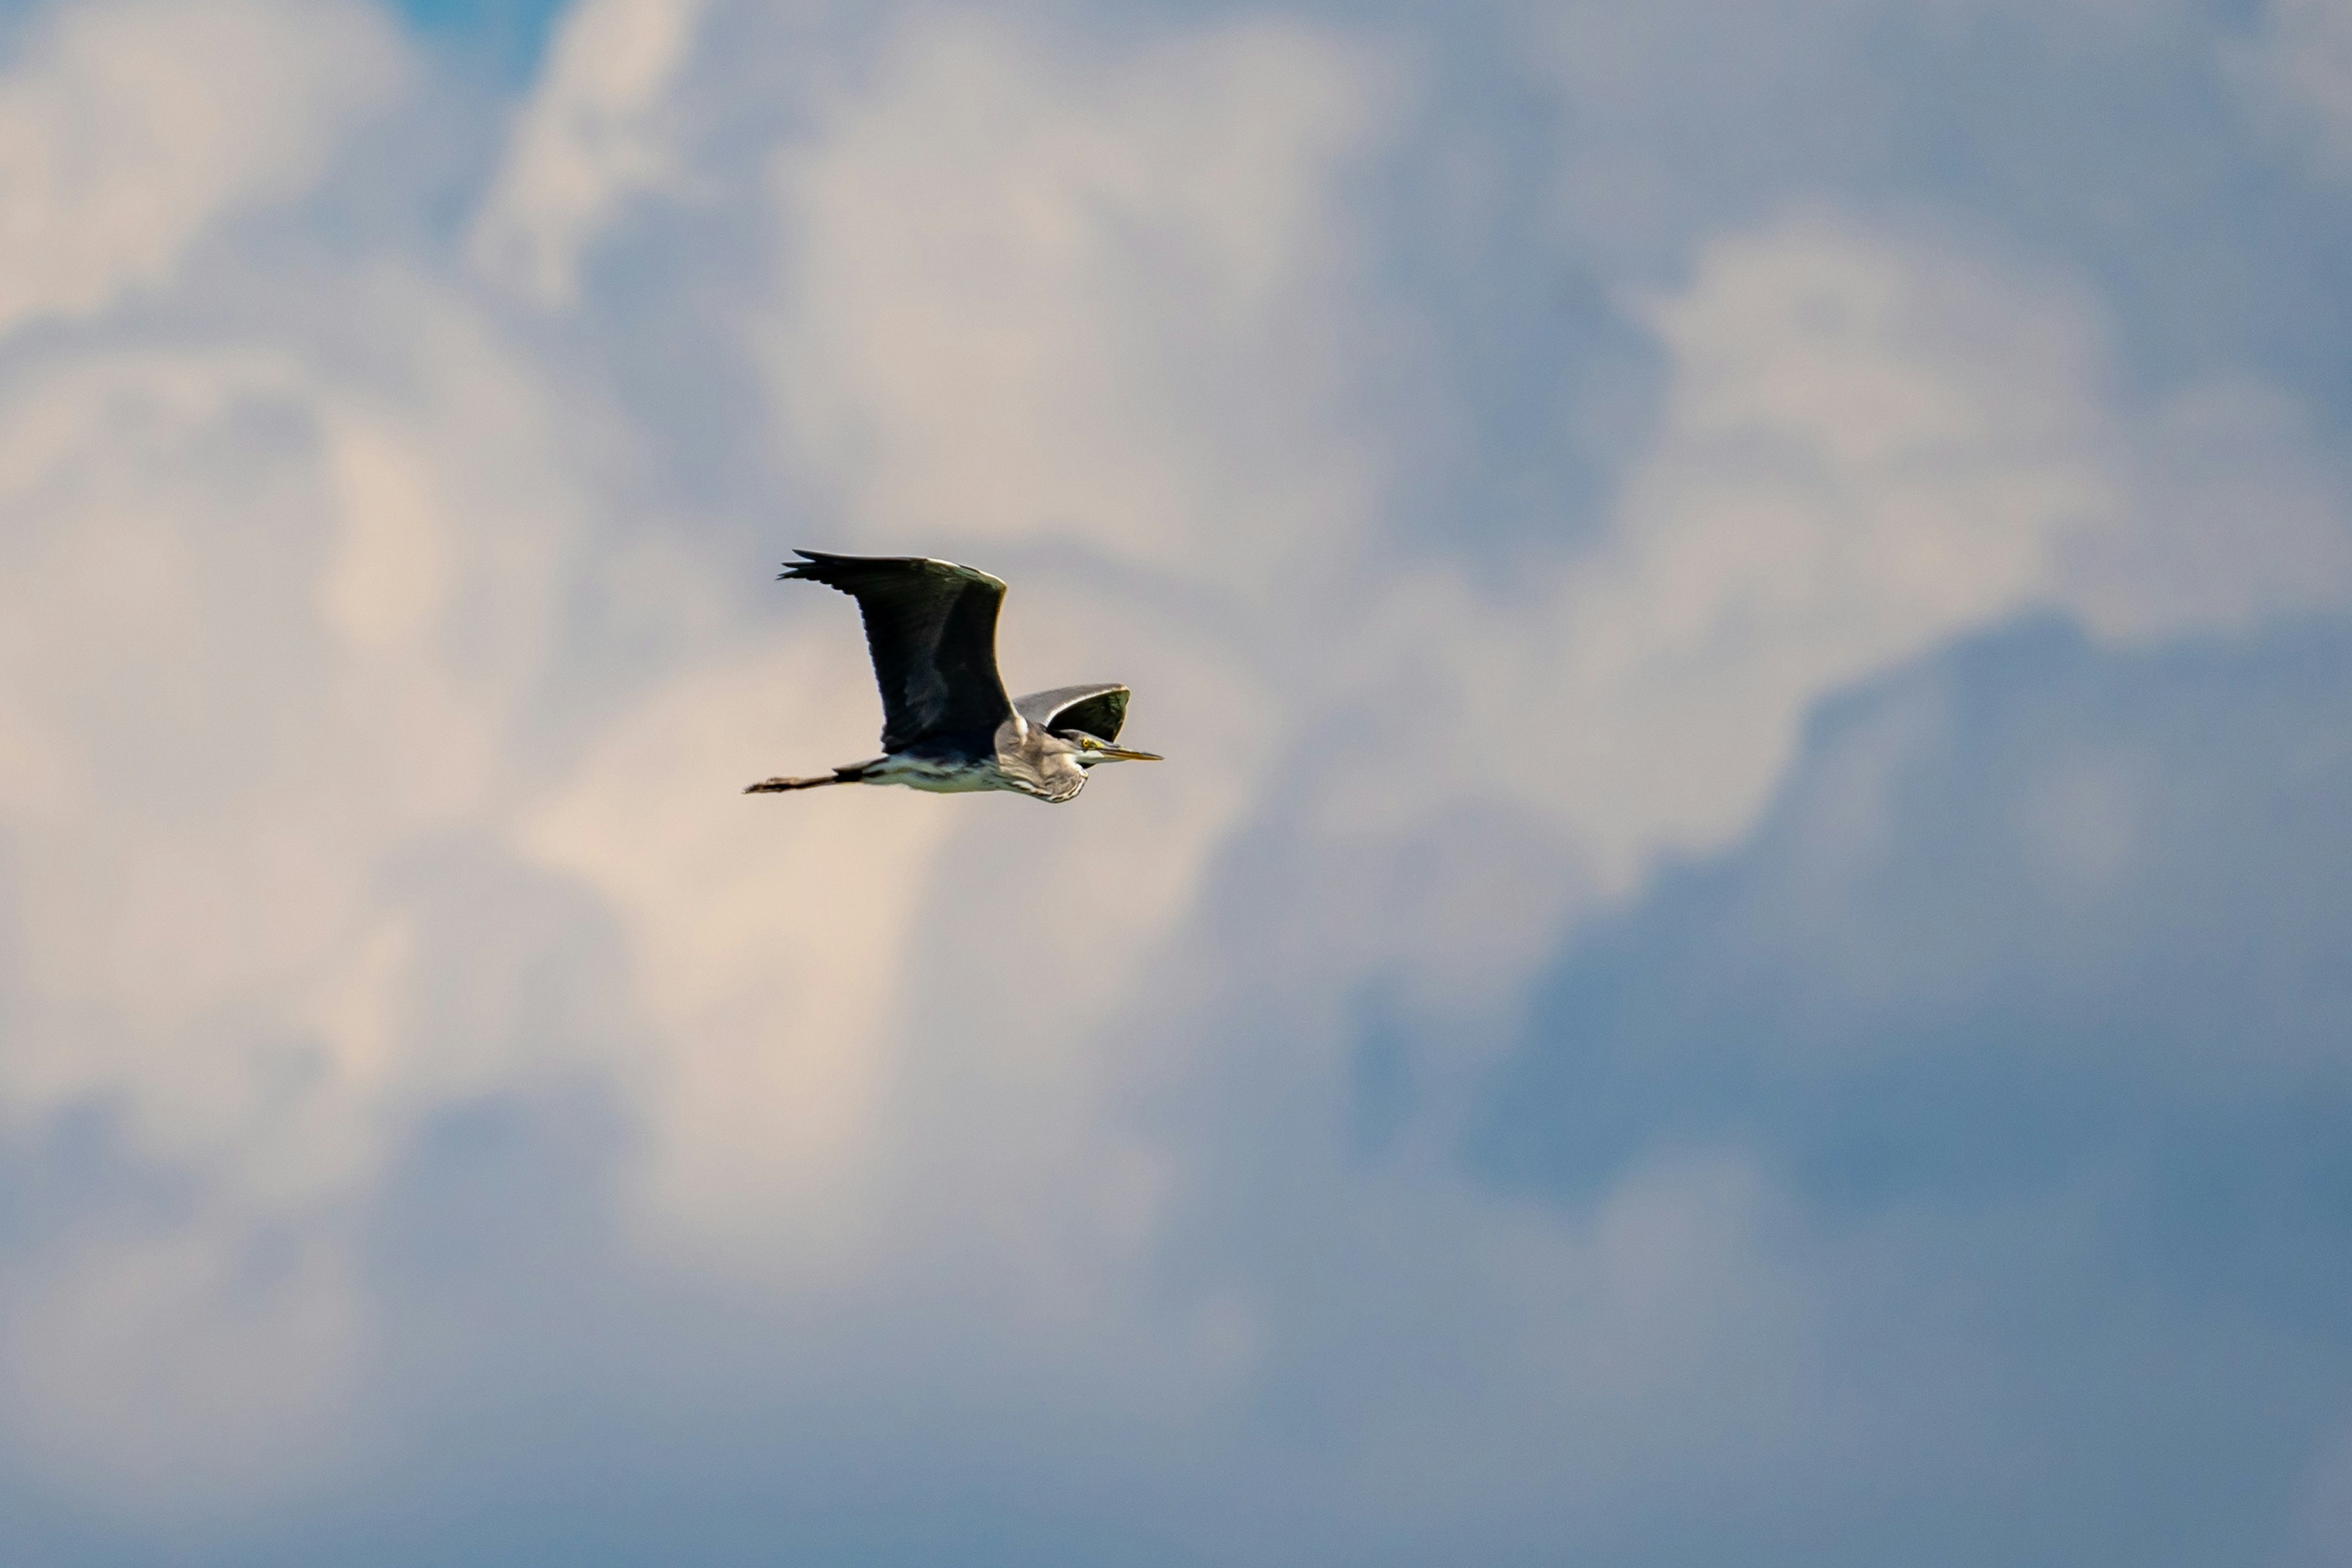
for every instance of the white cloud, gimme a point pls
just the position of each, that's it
(256, 652)
(1591, 1348)
(1035, 289)
(306, 630)
(126, 129)
(1868, 445)
(2325, 1503)
(599, 131)
(1870, 442)
(2297, 75)
(767, 946)
(2238, 512)
(186, 1371)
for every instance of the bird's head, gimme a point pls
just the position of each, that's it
(1088, 750)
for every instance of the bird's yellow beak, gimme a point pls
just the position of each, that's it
(1120, 754)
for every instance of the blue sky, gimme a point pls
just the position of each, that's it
(1741, 956)
(512, 33)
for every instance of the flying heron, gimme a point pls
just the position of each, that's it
(947, 725)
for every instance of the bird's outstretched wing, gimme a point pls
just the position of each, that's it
(931, 627)
(1098, 710)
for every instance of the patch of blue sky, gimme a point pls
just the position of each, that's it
(511, 34)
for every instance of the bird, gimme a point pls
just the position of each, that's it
(947, 725)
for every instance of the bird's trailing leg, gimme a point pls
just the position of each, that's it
(776, 787)
(853, 773)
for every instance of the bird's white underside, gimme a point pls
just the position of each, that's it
(939, 778)
(947, 778)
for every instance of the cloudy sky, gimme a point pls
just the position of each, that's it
(1744, 955)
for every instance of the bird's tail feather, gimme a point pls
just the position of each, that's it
(853, 773)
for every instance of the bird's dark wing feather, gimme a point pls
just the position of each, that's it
(931, 627)
(1100, 711)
